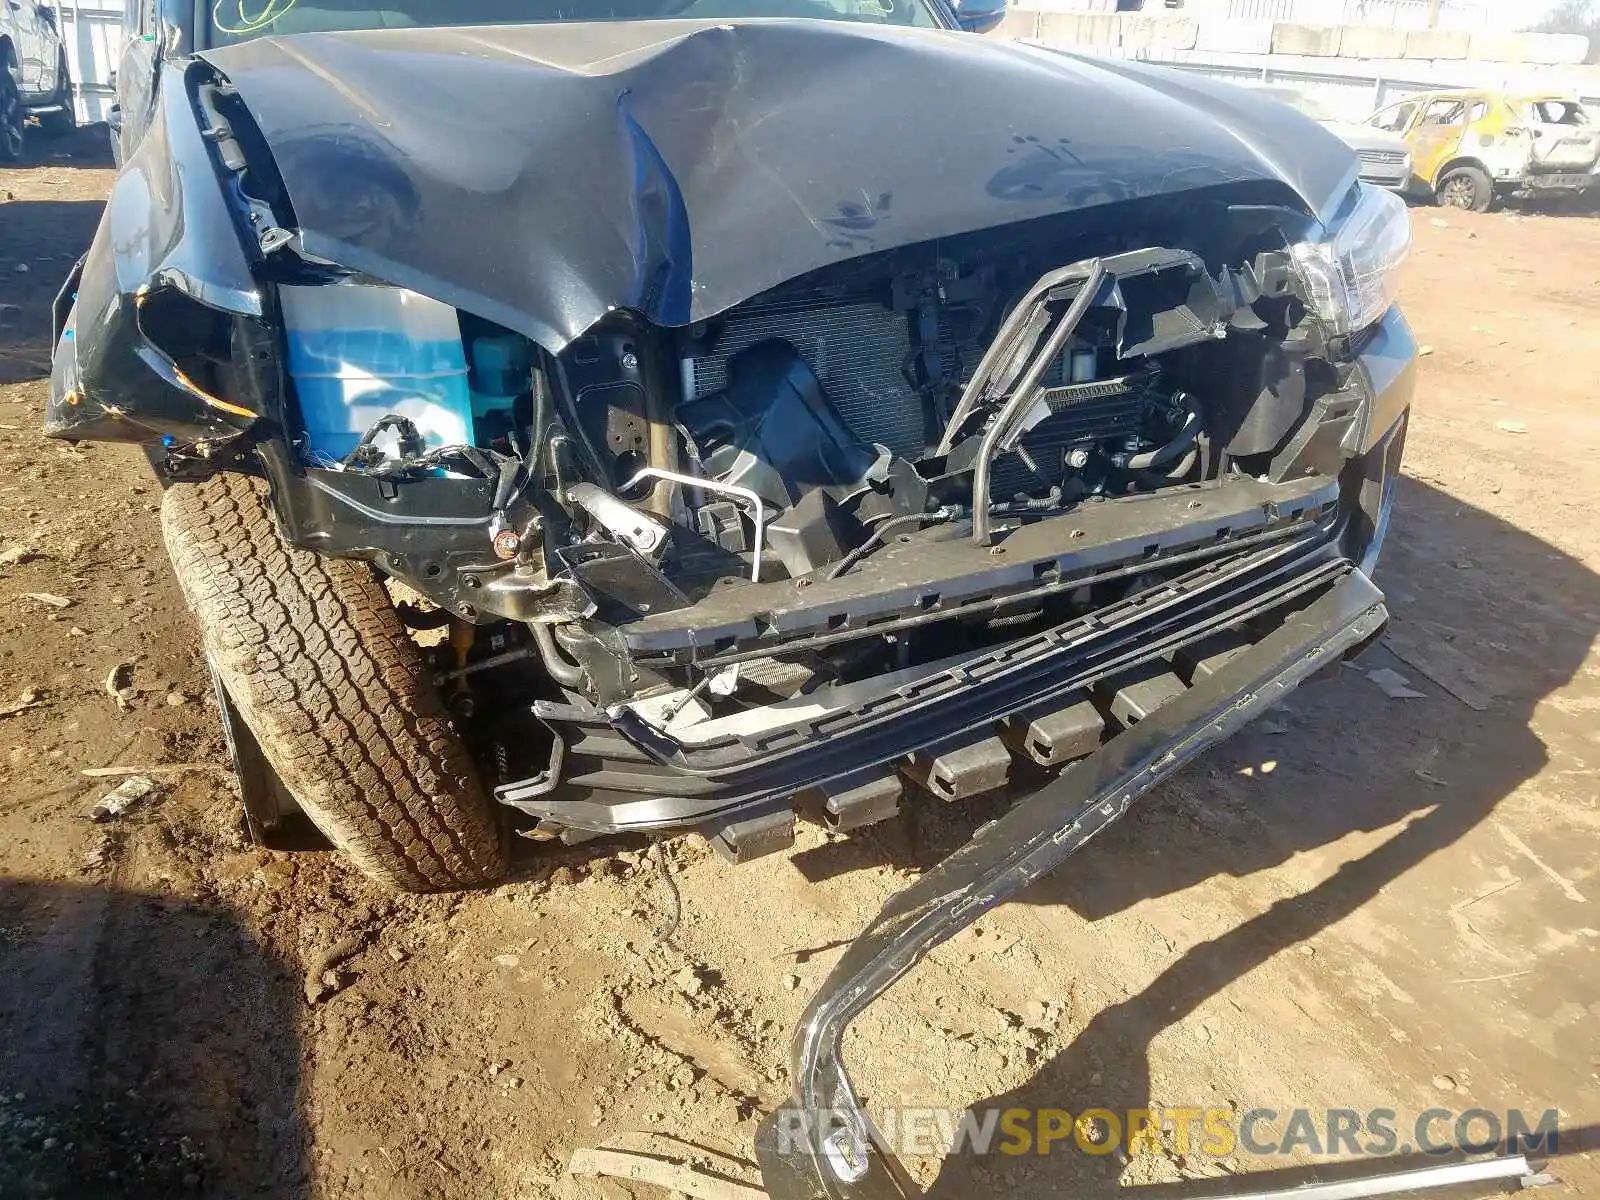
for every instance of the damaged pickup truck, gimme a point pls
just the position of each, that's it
(687, 416)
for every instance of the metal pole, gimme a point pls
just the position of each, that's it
(1513, 1166)
(76, 60)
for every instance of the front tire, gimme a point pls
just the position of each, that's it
(1467, 188)
(318, 666)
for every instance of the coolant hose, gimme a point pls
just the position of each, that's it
(1162, 478)
(560, 668)
(1185, 438)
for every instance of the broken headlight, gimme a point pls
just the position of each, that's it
(1349, 279)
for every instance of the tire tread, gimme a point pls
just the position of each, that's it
(340, 699)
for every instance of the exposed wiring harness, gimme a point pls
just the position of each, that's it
(881, 533)
(414, 457)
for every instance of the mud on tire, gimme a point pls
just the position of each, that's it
(322, 671)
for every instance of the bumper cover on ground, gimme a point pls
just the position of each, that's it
(821, 1144)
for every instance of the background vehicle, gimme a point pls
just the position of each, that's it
(34, 76)
(1470, 148)
(1566, 144)
(1385, 157)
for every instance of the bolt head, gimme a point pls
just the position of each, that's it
(507, 543)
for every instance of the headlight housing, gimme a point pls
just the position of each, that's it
(1349, 279)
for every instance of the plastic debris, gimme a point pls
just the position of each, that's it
(48, 598)
(668, 1163)
(1395, 685)
(160, 769)
(131, 791)
(30, 698)
(119, 684)
(689, 981)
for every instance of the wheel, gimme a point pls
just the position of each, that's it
(1465, 187)
(318, 667)
(64, 119)
(12, 114)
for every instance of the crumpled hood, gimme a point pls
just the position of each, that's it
(541, 176)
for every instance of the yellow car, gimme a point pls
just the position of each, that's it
(1470, 148)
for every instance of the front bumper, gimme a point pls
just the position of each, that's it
(1562, 181)
(822, 1144)
(1396, 178)
(1242, 550)
(626, 769)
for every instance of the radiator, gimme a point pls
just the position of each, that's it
(859, 350)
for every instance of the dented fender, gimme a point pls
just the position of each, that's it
(168, 231)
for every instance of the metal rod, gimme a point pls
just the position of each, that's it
(1514, 1166)
(1003, 346)
(1024, 395)
(726, 489)
(567, 674)
(487, 664)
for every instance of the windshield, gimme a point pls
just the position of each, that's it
(231, 21)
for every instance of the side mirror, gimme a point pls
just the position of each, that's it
(979, 16)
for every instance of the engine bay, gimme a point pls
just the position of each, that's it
(794, 434)
(929, 452)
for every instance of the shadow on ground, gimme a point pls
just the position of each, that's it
(40, 239)
(150, 1050)
(1507, 620)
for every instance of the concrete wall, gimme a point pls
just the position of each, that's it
(1353, 90)
(1102, 31)
(1433, 44)
(1468, 16)
(1132, 34)
(92, 32)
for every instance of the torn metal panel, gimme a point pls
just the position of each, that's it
(543, 175)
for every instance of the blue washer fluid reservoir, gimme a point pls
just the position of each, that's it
(358, 353)
(501, 365)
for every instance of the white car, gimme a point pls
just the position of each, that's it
(1385, 157)
(34, 77)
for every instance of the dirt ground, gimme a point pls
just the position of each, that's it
(1364, 902)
